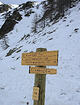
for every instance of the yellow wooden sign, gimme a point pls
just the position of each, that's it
(39, 70)
(40, 58)
(35, 93)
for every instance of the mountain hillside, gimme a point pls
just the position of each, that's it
(18, 35)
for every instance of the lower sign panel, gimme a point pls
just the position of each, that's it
(40, 70)
(35, 93)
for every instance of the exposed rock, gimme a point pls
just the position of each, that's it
(26, 5)
(12, 18)
(4, 7)
(76, 29)
(11, 51)
(29, 12)
(10, 23)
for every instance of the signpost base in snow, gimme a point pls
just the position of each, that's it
(40, 81)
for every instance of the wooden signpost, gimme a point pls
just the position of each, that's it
(39, 70)
(41, 58)
(35, 93)
(44, 58)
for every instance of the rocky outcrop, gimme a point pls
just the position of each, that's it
(12, 18)
(4, 7)
(26, 5)
(10, 23)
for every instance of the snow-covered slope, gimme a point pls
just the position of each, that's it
(1, 3)
(14, 5)
(16, 83)
(16, 1)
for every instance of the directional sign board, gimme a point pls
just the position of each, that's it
(35, 93)
(39, 70)
(40, 58)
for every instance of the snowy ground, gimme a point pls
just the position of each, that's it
(17, 2)
(16, 83)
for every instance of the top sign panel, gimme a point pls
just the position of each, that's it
(45, 58)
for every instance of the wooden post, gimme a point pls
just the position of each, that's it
(40, 81)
